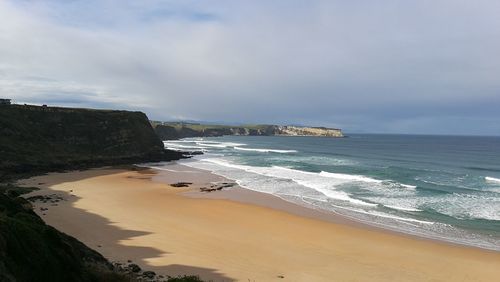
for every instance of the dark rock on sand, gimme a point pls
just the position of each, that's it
(181, 184)
(217, 187)
(134, 267)
(149, 274)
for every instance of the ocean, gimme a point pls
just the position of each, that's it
(440, 187)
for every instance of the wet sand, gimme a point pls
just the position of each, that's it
(238, 235)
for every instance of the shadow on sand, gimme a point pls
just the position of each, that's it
(111, 237)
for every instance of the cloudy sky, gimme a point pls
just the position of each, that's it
(364, 66)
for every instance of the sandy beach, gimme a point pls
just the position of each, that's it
(224, 236)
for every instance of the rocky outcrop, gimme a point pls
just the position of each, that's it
(176, 130)
(34, 138)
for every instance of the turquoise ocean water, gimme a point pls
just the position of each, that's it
(442, 187)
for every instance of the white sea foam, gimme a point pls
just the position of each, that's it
(228, 144)
(492, 179)
(325, 183)
(400, 218)
(173, 145)
(400, 186)
(317, 160)
(403, 208)
(382, 202)
(312, 180)
(205, 141)
(305, 198)
(212, 145)
(219, 144)
(279, 181)
(349, 177)
(266, 150)
(384, 215)
(408, 186)
(390, 216)
(182, 141)
(489, 214)
(465, 206)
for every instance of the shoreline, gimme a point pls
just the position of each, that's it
(249, 196)
(207, 239)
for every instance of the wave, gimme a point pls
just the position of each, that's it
(403, 208)
(212, 145)
(218, 144)
(394, 184)
(349, 177)
(184, 146)
(492, 179)
(318, 191)
(483, 168)
(204, 141)
(401, 218)
(408, 186)
(183, 140)
(463, 206)
(385, 215)
(325, 183)
(312, 180)
(266, 150)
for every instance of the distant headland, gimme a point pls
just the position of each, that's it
(177, 130)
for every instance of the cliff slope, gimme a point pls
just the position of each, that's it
(30, 250)
(34, 138)
(177, 130)
(37, 139)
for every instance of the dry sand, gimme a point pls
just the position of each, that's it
(136, 215)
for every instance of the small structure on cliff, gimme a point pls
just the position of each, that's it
(5, 102)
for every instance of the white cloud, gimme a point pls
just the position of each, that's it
(337, 63)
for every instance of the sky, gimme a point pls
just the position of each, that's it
(424, 67)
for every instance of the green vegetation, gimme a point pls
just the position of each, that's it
(14, 191)
(30, 250)
(38, 139)
(35, 140)
(201, 127)
(177, 130)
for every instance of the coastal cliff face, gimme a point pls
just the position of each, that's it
(30, 250)
(308, 131)
(34, 138)
(177, 130)
(37, 139)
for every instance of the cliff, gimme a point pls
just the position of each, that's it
(308, 131)
(34, 138)
(37, 139)
(177, 130)
(30, 250)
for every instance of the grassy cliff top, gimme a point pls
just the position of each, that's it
(51, 138)
(201, 127)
